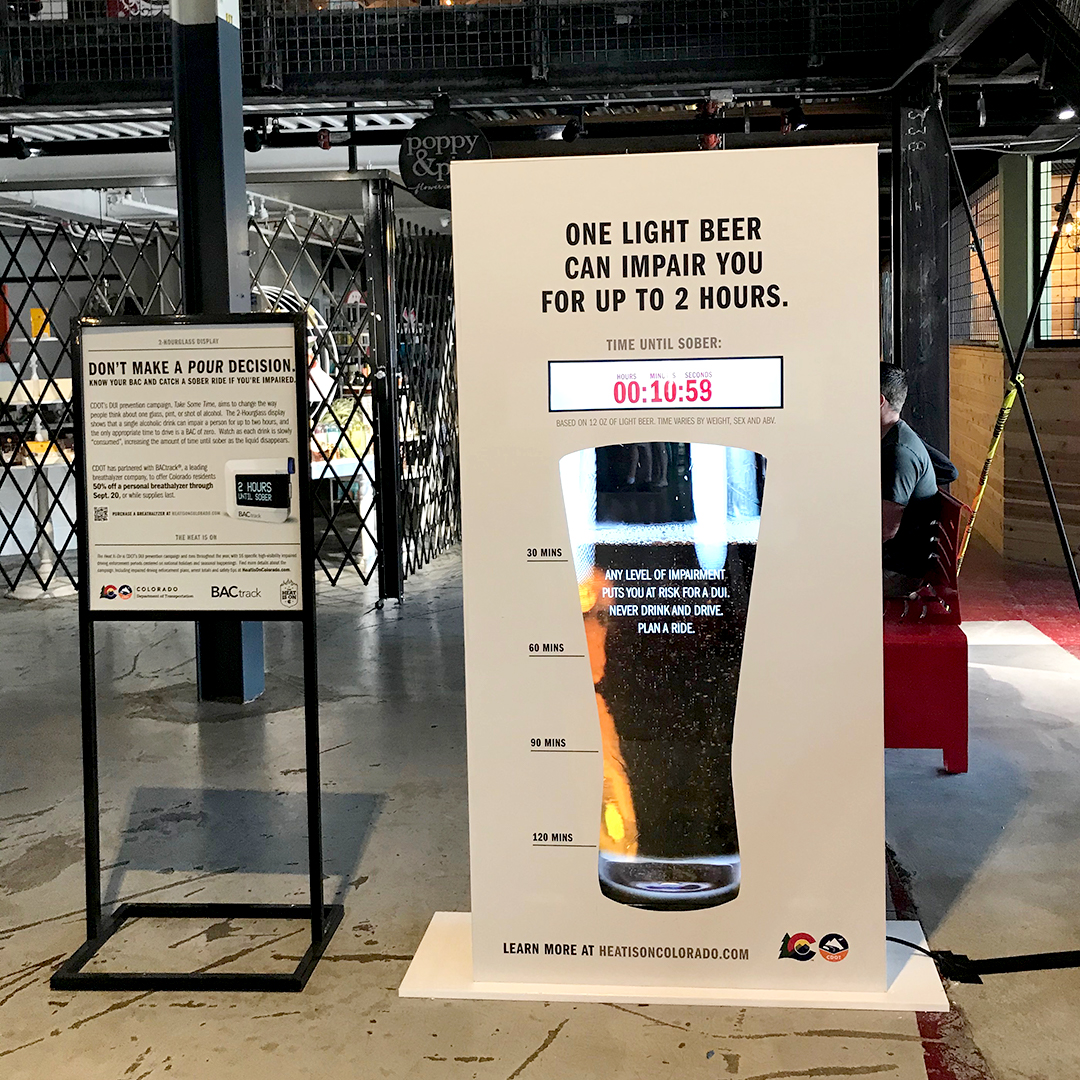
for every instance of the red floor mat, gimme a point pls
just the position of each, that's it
(993, 589)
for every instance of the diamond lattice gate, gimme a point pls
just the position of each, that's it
(315, 264)
(303, 261)
(51, 273)
(427, 413)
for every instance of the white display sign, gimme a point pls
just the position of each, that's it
(668, 371)
(191, 470)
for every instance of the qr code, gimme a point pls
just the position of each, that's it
(101, 513)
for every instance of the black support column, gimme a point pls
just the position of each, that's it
(920, 213)
(208, 132)
(379, 257)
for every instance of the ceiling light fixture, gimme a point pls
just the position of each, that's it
(17, 148)
(796, 118)
(575, 128)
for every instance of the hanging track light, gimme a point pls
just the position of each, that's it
(796, 118)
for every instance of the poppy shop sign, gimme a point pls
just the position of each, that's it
(428, 149)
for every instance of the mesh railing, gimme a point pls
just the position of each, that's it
(971, 315)
(427, 409)
(88, 43)
(687, 30)
(402, 39)
(71, 49)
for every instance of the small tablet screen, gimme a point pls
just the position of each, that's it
(268, 490)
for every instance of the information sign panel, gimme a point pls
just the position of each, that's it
(193, 461)
(193, 500)
(668, 371)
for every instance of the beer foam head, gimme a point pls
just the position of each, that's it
(724, 505)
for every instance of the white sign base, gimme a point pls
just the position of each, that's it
(442, 968)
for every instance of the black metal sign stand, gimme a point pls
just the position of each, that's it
(324, 918)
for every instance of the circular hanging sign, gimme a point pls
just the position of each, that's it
(430, 146)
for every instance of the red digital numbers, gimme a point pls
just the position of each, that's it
(668, 392)
(627, 392)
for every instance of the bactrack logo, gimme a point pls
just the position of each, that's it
(233, 592)
(797, 947)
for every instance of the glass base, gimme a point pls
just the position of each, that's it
(670, 884)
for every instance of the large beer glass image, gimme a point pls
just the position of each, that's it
(664, 538)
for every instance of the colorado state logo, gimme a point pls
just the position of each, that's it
(833, 948)
(797, 947)
(108, 592)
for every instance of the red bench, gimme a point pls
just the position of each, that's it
(926, 676)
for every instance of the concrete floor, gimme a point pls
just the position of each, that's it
(206, 803)
(995, 853)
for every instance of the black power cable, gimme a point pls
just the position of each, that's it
(960, 968)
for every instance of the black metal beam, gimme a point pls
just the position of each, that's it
(1058, 46)
(1009, 111)
(379, 259)
(920, 256)
(956, 24)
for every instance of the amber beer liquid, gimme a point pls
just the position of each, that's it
(664, 538)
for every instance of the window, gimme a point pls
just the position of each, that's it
(1059, 307)
(971, 315)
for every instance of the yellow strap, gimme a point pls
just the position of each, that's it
(999, 427)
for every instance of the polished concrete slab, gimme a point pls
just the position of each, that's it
(995, 853)
(206, 803)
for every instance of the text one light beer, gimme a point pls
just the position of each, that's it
(664, 537)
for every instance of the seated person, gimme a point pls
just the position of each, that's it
(944, 470)
(908, 490)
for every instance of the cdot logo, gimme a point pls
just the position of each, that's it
(833, 948)
(125, 592)
(797, 947)
(108, 592)
(233, 592)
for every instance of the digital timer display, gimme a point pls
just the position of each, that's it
(273, 489)
(736, 382)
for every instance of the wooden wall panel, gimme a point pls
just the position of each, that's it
(1052, 379)
(976, 381)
